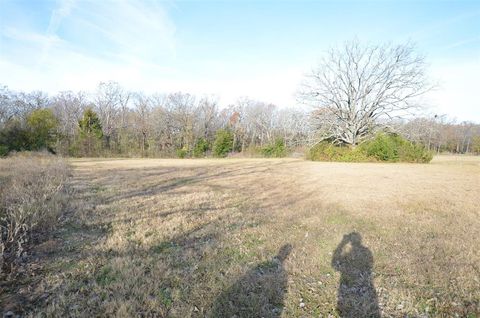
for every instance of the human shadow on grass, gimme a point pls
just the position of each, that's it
(356, 292)
(258, 293)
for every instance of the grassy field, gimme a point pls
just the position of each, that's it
(263, 238)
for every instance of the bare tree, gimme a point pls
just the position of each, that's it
(19, 104)
(110, 99)
(6, 101)
(207, 117)
(357, 88)
(181, 111)
(69, 107)
(292, 125)
(160, 123)
(258, 119)
(142, 124)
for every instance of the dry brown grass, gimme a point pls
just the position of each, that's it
(266, 237)
(32, 196)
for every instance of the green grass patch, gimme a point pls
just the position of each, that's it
(165, 297)
(163, 247)
(106, 276)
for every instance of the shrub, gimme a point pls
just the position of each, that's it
(14, 136)
(394, 148)
(37, 132)
(476, 145)
(43, 129)
(274, 150)
(384, 147)
(3, 150)
(182, 153)
(201, 148)
(32, 196)
(410, 152)
(325, 151)
(223, 143)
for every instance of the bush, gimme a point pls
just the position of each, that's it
(201, 148)
(43, 129)
(37, 132)
(325, 151)
(410, 152)
(274, 150)
(32, 195)
(3, 150)
(394, 148)
(476, 145)
(182, 153)
(14, 136)
(384, 147)
(223, 143)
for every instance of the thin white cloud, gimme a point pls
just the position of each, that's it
(462, 42)
(63, 9)
(438, 27)
(87, 42)
(139, 28)
(31, 37)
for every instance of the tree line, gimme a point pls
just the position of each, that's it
(356, 92)
(115, 122)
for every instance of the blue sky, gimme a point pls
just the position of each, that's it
(230, 49)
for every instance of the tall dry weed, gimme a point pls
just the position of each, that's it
(32, 196)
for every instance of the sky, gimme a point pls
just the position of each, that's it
(229, 49)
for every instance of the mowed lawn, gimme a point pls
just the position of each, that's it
(265, 238)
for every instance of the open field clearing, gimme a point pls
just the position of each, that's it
(263, 238)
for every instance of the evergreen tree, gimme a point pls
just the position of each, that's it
(223, 143)
(90, 132)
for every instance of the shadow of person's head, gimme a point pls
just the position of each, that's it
(356, 292)
(283, 252)
(354, 238)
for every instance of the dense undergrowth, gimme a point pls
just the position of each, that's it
(383, 147)
(275, 150)
(224, 146)
(33, 194)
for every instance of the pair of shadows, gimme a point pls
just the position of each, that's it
(260, 292)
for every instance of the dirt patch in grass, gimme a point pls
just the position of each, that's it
(267, 237)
